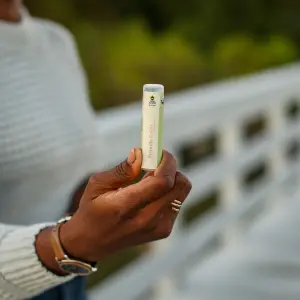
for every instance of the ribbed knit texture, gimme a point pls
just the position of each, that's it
(48, 138)
(48, 144)
(21, 273)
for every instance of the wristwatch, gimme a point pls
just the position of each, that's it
(67, 264)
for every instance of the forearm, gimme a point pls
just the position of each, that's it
(26, 261)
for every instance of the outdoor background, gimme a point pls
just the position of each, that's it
(124, 44)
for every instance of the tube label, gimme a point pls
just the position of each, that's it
(152, 129)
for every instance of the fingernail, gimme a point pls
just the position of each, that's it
(131, 157)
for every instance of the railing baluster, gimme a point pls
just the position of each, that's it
(230, 144)
(277, 159)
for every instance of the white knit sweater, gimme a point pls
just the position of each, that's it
(48, 144)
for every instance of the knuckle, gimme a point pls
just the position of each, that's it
(184, 182)
(118, 211)
(187, 185)
(124, 213)
(140, 224)
(114, 210)
(93, 184)
(165, 183)
(120, 171)
(93, 179)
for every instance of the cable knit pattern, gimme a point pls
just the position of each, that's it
(48, 144)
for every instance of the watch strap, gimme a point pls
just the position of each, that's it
(56, 244)
(62, 258)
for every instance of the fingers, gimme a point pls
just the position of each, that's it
(122, 174)
(164, 217)
(179, 192)
(137, 196)
(167, 167)
(157, 218)
(151, 187)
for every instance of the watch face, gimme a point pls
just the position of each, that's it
(75, 268)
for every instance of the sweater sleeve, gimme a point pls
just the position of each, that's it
(21, 273)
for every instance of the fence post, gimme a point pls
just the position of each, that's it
(277, 159)
(166, 286)
(230, 188)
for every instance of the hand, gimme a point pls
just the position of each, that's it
(111, 218)
(76, 197)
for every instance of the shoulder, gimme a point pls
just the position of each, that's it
(61, 41)
(55, 31)
(57, 36)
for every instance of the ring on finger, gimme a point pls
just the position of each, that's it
(176, 205)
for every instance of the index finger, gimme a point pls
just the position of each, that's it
(138, 195)
(167, 167)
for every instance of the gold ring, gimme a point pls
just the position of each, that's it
(176, 205)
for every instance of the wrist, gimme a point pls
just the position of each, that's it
(74, 241)
(45, 252)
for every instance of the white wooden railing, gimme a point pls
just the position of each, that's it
(221, 108)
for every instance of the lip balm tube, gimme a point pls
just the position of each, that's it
(152, 125)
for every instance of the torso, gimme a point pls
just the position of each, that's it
(48, 139)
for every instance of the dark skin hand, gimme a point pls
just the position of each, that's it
(113, 216)
(76, 197)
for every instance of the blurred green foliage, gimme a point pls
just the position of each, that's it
(127, 56)
(125, 44)
(242, 53)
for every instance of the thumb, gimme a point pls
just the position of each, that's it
(122, 174)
